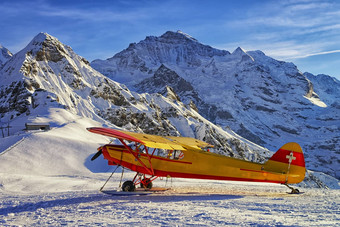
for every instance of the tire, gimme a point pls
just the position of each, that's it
(128, 186)
(147, 185)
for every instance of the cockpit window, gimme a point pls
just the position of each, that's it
(170, 154)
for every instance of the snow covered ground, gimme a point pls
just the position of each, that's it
(206, 203)
(47, 179)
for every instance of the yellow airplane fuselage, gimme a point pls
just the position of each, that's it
(198, 164)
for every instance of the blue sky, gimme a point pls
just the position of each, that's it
(305, 32)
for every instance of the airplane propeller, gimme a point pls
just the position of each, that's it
(97, 155)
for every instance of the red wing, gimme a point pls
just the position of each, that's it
(113, 133)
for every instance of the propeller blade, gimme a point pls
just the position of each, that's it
(97, 155)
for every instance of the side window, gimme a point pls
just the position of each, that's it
(142, 149)
(162, 153)
(178, 155)
(170, 154)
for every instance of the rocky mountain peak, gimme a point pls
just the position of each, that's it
(46, 48)
(46, 72)
(41, 37)
(241, 53)
(171, 48)
(5, 55)
(43, 49)
(178, 36)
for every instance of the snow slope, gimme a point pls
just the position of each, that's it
(47, 178)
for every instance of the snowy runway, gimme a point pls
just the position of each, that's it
(188, 203)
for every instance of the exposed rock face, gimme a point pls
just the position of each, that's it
(264, 100)
(164, 77)
(14, 98)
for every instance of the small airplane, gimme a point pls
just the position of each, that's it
(152, 156)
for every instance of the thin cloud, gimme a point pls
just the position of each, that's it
(93, 15)
(283, 50)
(283, 14)
(290, 30)
(303, 6)
(315, 54)
(45, 9)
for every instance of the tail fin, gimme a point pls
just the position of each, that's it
(288, 161)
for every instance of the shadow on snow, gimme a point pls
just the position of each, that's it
(140, 199)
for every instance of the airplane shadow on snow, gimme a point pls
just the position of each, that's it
(140, 199)
(99, 165)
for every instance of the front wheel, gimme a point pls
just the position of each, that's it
(128, 186)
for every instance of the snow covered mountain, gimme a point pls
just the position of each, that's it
(267, 101)
(47, 178)
(47, 82)
(48, 74)
(5, 54)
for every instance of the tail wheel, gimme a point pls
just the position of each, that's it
(147, 184)
(128, 186)
(295, 191)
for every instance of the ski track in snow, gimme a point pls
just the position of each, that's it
(187, 203)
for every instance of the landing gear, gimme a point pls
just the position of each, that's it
(294, 190)
(128, 186)
(146, 183)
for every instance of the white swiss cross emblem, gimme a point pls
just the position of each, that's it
(290, 157)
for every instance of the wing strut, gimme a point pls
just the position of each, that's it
(149, 159)
(150, 171)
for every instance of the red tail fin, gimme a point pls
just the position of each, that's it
(289, 153)
(289, 161)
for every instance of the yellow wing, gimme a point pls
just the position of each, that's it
(155, 141)
(169, 142)
(188, 141)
